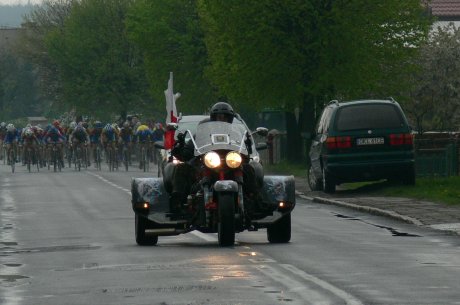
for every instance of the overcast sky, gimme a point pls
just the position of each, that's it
(19, 1)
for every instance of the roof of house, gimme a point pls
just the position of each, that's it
(445, 8)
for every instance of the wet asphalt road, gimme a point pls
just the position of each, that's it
(68, 238)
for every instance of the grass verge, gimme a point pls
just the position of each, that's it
(436, 189)
(286, 168)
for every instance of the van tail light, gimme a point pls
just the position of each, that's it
(338, 142)
(401, 139)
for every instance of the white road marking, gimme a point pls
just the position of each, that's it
(110, 183)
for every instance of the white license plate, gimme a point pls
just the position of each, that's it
(370, 141)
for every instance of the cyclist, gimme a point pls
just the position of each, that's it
(125, 139)
(143, 138)
(2, 136)
(54, 136)
(109, 135)
(157, 135)
(11, 140)
(95, 137)
(29, 140)
(80, 137)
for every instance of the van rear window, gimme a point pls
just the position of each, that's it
(368, 116)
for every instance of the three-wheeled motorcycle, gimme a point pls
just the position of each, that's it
(219, 202)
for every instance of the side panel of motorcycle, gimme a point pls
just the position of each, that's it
(150, 190)
(279, 188)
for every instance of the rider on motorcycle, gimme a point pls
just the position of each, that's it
(185, 173)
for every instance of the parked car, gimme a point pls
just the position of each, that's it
(362, 140)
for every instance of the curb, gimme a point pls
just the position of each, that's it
(362, 208)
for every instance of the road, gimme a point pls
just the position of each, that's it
(68, 238)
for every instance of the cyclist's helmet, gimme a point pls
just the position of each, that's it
(29, 132)
(222, 110)
(98, 124)
(126, 125)
(10, 128)
(108, 127)
(2, 125)
(73, 125)
(56, 123)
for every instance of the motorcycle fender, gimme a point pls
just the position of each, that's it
(226, 186)
(279, 188)
(152, 191)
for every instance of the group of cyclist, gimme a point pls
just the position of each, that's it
(87, 136)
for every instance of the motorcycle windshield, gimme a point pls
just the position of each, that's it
(216, 135)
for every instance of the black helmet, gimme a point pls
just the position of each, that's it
(222, 108)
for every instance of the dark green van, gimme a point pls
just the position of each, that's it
(361, 140)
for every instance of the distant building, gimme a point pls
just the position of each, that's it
(8, 37)
(37, 120)
(445, 11)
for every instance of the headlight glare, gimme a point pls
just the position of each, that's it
(212, 159)
(233, 159)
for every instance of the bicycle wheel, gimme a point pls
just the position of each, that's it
(28, 160)
(125, 158)
(54, 159)
(98, 158)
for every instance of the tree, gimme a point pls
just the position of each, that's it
(435, 91)
(297, 53)
(102, 73)
(18, 89)
(170, 37)
(43, 19)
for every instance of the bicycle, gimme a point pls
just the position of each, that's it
(98, 158)
(55, 158)
(112, 157)
(77, 157)
(12, 159)
(126, 155)
(31, 158)
(144, 160)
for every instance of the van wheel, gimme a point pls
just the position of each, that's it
(328, 182)
(314, 183)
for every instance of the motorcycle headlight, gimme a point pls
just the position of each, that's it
(233, 159)
(212, 159)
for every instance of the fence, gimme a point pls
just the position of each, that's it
(437, 154)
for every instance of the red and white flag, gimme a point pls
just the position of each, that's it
(171, 110)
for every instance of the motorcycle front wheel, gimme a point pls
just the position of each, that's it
(226, 224)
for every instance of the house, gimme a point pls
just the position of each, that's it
(445, 11)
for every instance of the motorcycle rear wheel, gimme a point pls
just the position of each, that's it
(143, 239)
(226, 224)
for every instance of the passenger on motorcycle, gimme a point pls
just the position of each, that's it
(185, 174)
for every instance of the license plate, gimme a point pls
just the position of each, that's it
(369, 141)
